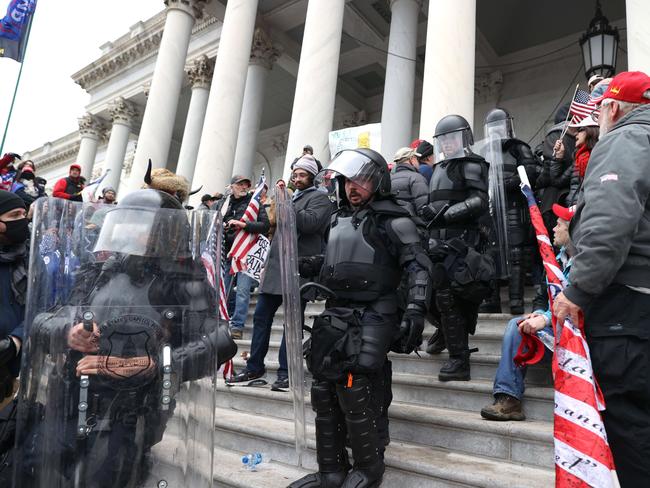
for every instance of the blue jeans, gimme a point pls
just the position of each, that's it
(510, 378)
(267, 305)
(243, 297)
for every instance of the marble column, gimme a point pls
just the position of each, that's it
(449, 65)
(219, 137)
(168, 76)
(263, 55)
(637, 13)
(313, 104)
(122, 113)
(199, 74)
(399, 88)
(91, 130)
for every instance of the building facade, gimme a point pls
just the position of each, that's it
(209, 88)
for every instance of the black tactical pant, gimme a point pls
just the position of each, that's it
(617, 324)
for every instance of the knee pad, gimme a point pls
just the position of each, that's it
(445, 300)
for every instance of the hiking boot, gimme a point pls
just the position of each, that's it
(280, 384)
(436, 343)
(505, 407)
(247, 378)
(455, 369)
(517, 307)
(236, 333)
(320, 480)
(489, 308)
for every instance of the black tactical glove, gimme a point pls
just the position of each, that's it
(411, 330)
(438, 250)
(8, 350)
(458, 246)
(433, 217)
(310, 266)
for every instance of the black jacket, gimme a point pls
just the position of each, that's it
(236, 209)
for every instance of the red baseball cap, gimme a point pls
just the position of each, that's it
(75, 166)
(565, 213)
(628, 86)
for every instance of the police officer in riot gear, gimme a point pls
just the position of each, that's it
(514, 152)
(372, 242)
(458, 198)
(139, 323)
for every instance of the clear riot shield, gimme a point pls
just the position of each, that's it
(293, 317)
(491, 149)
(121, 348)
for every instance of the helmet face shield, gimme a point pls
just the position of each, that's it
(451, 145)
(143, 232)
(356, 167)
(499, 129)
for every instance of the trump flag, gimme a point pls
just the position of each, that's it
(14, 28)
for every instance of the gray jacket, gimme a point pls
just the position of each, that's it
(410, 188)
(313, 210)
(611, 228)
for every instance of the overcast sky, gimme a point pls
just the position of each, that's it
(66, 35)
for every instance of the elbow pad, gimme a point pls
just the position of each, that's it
(472, 207)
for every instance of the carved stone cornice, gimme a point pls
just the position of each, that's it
(201, 71)
(487, 86)
(262, 51)
(91, 126)
(192, 7)
(68, 153)
(128, 51)
(122, 111)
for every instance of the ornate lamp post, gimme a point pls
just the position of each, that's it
(599, 46)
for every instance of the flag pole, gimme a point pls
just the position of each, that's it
(566, 125)
(20, 73)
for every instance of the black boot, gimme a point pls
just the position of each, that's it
(516, 286)
(358, 402)
(331, 455)
(457, 367)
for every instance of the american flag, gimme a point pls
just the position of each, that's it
(244, 241)
(583, 457)
(581, 106)
(209, 258)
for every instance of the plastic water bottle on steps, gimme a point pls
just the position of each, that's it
(253, 461)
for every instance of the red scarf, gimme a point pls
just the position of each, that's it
(582, 158)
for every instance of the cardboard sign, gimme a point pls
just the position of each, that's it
(368, 135)
(256, 258)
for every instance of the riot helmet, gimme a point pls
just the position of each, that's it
(363, 167)
(499, 124)
(147, 223)
(453, 138)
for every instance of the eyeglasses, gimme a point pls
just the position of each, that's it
(596, 113)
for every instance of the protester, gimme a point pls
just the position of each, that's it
(509, 385)
(207, 201)
(7, 170)
(610, 276)
(13, 286)
(237, 205)
(312, 209)
(25, 186)
(108, 196)
(593, 81)
(372, 242)
(586, 139)
(410, 187)
(71, 186)
(424, 153)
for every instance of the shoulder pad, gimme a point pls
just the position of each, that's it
(404, 230)
(475, 170)
(388, 206)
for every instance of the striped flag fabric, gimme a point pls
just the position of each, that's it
(583, 457)
(208, 257)
(245, 241)
(581, 106)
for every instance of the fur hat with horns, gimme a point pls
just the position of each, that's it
(164, 180)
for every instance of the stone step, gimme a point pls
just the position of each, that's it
(484, 365)
(408, 464)
(422, 389)
(528, 442)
